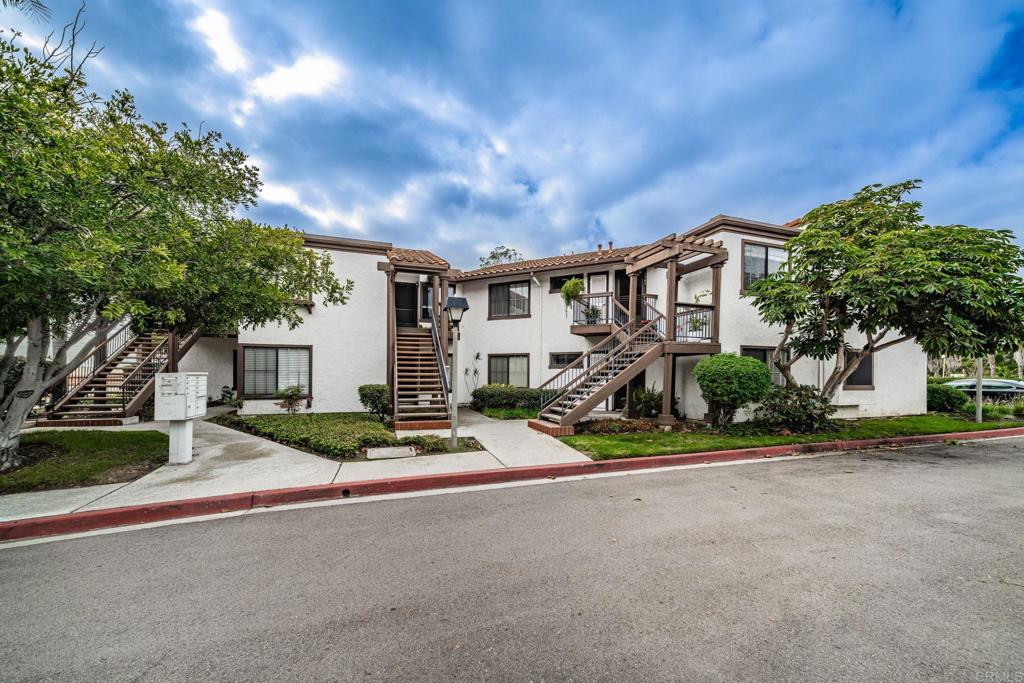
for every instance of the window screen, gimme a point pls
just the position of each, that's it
(268, 369)
(760, 261)
(561, 360)
(864, 375)
(514, 370)
(765, 356)
(509, 300)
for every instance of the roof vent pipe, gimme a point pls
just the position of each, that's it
(609, 245)
(599, 245)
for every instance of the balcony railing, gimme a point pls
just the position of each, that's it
(694, 322)
(598, 309)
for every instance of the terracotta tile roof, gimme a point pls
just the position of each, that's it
(795, 223)
(549, 263)
(416, 257)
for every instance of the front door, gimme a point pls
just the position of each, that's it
(622, 288)
(406, 304)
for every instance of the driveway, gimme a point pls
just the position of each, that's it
(894, 565)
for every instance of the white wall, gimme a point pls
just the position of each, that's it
(546, 331)
(212, 355)
(349, 342)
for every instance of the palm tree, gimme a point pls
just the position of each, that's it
(33, 8)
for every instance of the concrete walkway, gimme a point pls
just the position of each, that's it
(512, 442)
(228, 461)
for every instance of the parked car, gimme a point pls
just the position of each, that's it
(999, 389)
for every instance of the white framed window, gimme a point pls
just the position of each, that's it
(267, 369)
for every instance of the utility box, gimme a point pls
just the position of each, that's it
(180, 398)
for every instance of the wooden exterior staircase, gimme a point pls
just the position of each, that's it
(116, 379)
(580, 387)
(421, 382)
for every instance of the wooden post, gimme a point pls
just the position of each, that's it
(667, 390)
(172, 351)
(632, 297)
(716, 299)
(444, 331)
(670, 299)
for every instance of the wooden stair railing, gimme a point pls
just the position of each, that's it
(118, 386)
(591, 374)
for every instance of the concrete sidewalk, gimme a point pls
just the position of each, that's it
(512, 442)
(227, 461)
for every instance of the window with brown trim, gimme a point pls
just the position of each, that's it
(558, 281)
(508, 300)
(509, 368)
(864, 376)
(561, 359)
(764, 354)
(268, 369)
(760, 261)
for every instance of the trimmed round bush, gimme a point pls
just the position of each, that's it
(728, 382)
(944, 399)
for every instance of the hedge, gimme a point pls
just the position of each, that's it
(945, 399)
(505, 396)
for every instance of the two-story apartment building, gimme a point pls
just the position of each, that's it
(649, 313)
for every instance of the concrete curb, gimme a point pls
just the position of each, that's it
(157, 512)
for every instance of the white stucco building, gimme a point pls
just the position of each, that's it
(648, 315)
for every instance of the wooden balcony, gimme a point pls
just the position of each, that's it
(597, 315)
(695, 330)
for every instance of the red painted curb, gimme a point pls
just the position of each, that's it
(157, 512)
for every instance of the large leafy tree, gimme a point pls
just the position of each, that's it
(871, 264)
(106, 217)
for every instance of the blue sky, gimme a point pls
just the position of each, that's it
(551, 127)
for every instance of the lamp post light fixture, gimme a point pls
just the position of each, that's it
(455, 306)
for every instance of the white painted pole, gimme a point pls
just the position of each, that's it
(977, 391)
(454, 379)
(180, 432)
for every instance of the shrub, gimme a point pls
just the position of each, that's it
(571, 291)
(728, 382)
(291, 398)
(944, 399)
(797, 408)
(647, 402)
(608, 426)
(1018, 408)
(376, 398)
(991, 411)
(505, 396)
(427, 443)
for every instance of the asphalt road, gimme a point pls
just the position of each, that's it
(882, 566)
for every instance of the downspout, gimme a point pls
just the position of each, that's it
(540, 337)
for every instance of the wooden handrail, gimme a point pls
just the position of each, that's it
(608, 356)
(685, 305)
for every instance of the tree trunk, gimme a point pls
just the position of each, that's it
(10, 427)
(9, 452)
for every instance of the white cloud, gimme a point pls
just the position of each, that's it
(215, 28)
(310, 76)
(277, 193)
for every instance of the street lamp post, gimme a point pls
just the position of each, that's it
(455, 306)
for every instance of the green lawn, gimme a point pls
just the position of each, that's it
(511, 413)
(337, 435)
(64, 459)
(605, 446)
